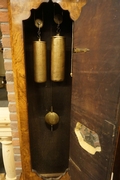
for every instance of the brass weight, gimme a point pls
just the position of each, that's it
(58, 58)
(39, 50)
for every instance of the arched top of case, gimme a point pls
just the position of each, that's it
(21, 9)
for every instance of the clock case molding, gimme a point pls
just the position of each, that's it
(19, 11)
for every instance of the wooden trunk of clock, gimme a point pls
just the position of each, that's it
(81, 145)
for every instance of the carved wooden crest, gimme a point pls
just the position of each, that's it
(73, 6)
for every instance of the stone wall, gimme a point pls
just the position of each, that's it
(4, 25)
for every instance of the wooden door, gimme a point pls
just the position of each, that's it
(95, 89)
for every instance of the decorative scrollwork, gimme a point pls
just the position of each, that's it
(73, 6)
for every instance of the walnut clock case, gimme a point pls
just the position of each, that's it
(66, 63)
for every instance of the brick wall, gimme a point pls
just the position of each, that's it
(4, 25)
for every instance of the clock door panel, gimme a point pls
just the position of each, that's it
(95, 90)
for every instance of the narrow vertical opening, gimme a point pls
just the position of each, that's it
(49, 146)
(3, 92)
(2, 169)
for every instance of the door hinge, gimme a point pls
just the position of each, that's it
(78, 50)
(114, 127)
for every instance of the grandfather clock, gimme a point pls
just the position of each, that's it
(66, 62)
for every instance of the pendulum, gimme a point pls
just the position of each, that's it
(51, 118)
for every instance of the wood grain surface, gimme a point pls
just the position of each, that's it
(96, 87)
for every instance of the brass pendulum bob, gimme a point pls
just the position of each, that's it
(39, 51)
(58, 53)
(51, 118)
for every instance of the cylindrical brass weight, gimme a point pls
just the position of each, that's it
(58, 58)
(39, 50)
